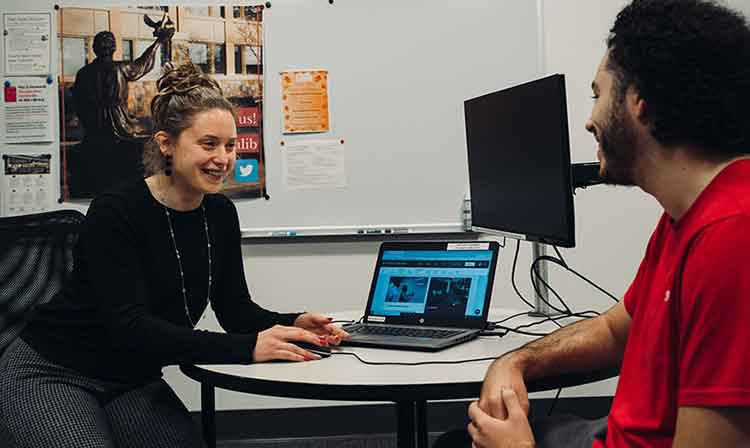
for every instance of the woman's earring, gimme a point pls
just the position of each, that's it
(168, 165)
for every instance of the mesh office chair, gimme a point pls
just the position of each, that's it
(36, 256)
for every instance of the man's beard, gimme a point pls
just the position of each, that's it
(618, 142)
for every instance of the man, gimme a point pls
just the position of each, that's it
(670, 116)
(112, 143)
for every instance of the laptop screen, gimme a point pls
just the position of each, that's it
(447, 284)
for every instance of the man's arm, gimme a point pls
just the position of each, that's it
(715, 427)
(587, 345)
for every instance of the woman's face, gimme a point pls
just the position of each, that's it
(203, 154)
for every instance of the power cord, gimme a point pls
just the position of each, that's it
(513, 276)
(569, 269)
(422, 363)
(554, 402)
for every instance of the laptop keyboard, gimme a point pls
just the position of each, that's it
(402, 331)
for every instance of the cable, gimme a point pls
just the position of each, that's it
(554, 319)
(554, 402)
(513, 276)
(534, 271)
(372, 363)
(581, 276)
(559, 255)
(514, 330)
(493, 333)
(491, 324)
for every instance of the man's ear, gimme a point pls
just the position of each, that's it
(165, 143)
(636, 104)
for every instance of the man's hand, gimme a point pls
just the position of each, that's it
(490, 432)
(322, 326)
(503, 373)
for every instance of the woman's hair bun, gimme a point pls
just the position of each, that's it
(184, 78)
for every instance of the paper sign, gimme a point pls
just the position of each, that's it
(304, 95)
(26, 184)
(314, 164)
(27, 43)
(27, 107)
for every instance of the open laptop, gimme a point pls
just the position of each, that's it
(427, 295)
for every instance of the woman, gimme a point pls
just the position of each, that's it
(151, 256)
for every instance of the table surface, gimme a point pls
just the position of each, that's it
(342, 376)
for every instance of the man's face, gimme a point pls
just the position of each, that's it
(614, 130)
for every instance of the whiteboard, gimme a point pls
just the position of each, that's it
(398, 74)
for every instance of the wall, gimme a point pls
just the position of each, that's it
(613, 224)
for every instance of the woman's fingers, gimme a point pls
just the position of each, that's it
(300, 334)
(297, 350)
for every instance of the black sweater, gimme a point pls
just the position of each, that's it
(122, 315)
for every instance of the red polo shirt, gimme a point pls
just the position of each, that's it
(689, 340)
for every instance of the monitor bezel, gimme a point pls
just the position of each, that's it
(568, 240)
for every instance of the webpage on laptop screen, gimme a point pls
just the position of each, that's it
(451, 284)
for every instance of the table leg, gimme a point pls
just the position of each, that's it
(421, 416)
(405, 424)
(208, 414)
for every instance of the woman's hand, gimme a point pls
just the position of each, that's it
(278, 343)
(321, 325)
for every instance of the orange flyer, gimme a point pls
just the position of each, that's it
(304, 96)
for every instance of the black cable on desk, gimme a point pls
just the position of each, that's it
(491, 324)
(421, 363)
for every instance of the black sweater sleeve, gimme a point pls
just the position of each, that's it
(118, 279)
(235, 310)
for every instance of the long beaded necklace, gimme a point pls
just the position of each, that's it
(179, 260)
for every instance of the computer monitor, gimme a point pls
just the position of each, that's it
(519, 162)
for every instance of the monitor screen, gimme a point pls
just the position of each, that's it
(519, 162)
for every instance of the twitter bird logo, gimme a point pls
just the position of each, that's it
(246, 170)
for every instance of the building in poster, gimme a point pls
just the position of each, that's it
(223, 41)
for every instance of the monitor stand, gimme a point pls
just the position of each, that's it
(541, 298)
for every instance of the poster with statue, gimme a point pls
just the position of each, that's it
(111, 59)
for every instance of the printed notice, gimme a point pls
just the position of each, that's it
(304, 96)
(314, 164)
(26, 184)
(27, 43)
(27, 107)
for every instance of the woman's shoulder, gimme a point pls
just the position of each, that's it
(126, 204)
(221, 207)
(219, 201)
(128, 195)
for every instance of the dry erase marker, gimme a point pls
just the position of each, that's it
(284, 233)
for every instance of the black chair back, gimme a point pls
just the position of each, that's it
(36, 257)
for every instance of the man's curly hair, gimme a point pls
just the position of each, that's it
(690, 61)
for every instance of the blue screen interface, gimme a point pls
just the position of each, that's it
(439, 283)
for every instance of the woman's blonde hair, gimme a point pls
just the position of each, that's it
(183, 92)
